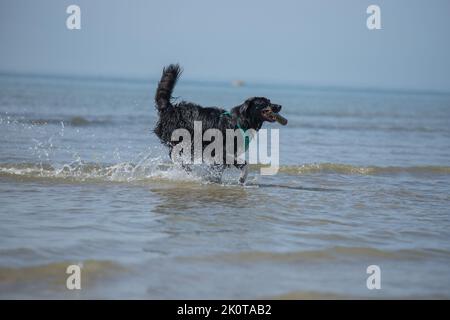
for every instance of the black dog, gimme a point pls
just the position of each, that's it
(249, 115)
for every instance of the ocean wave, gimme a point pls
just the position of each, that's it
(326, 254)
(76, 121)
(56, 272)
(370, 127)
(80, 171)
(155, 169)
(361, 170)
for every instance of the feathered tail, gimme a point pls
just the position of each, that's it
(168, 80)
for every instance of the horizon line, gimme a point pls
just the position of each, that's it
(276, 84)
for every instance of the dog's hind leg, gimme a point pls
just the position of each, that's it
(186, 167)
(216, 172)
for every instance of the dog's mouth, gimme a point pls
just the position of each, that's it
(271, 116)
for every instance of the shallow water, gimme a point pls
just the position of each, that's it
(364, 180)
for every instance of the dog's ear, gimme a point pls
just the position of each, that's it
(245, 106)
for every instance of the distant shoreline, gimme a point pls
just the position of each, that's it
(223, 83)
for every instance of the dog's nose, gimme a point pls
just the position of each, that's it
(276, 108)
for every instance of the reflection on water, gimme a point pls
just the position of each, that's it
(198, 196)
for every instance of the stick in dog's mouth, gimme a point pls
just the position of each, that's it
(274, 116)
(280, 119)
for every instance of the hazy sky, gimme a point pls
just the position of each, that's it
(284, 41)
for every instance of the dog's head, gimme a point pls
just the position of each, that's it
(260, 109)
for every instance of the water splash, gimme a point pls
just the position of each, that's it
(151, 167)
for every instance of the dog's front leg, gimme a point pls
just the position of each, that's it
(244, 173)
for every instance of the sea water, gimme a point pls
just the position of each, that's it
(364, 180)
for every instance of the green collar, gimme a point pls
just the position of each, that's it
(246, 136)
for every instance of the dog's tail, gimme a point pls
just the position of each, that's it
(168, 80)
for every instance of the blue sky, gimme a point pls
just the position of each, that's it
(313, 42)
